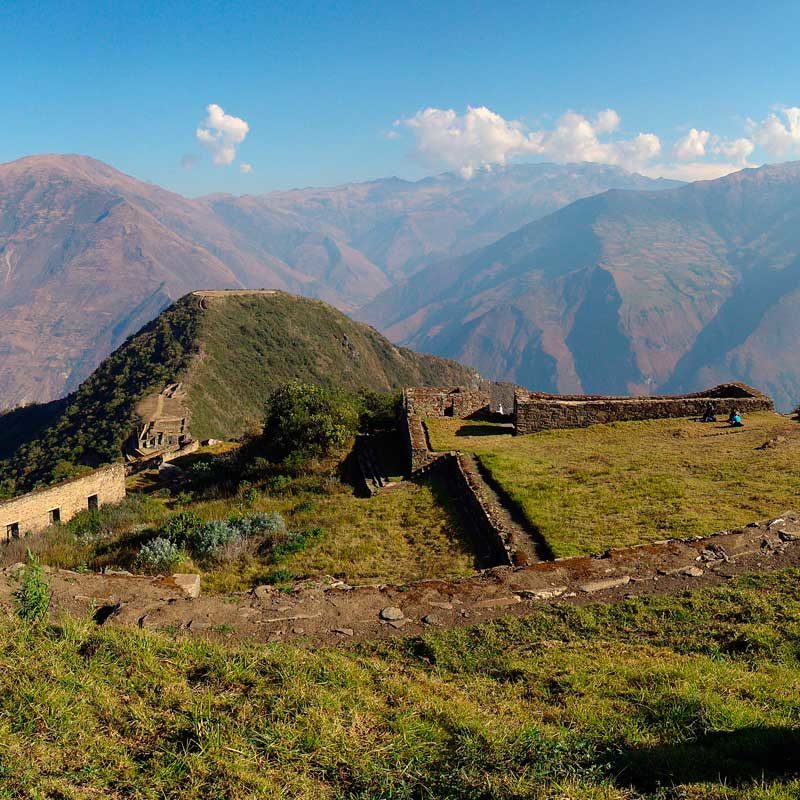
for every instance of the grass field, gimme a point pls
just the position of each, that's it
(403, 534)
(406, 533)
(694, 697)
(626, 483)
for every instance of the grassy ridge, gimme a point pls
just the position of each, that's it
(100, 414)
(252, 344)
(246, 346)
(692, 697)
(633, 482)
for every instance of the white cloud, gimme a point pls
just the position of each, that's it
(736, 150)
(189, 161)
(607, 121)
(692, 146)
(481, 139)
(778, 137)
(221, 133)
(245, 168)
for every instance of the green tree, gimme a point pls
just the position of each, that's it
(304, 420)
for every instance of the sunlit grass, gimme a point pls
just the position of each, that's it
(627, 483)
(409, 532)
(694, 697)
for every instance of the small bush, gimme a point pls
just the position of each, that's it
(296, 541)
(87, 526)
(208, 540)
(180, 528)
(258, 524)
(32, 598)
(379, 410)
(280, 576)
(277, 483)
(159, 555)
(306, 421)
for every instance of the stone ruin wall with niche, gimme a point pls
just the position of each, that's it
(32, 512)
(422, 402)
(538, 412)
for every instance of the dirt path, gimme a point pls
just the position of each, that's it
(319, 614)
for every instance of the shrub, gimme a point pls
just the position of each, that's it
(306, 421)
(277, 483)
(259, 523)
(281, 576)
(180, 528)
(208, 540)
(249, 495)
(32, 598)
(159, 555)
(295, 541)
(86, 526)
(379, 410)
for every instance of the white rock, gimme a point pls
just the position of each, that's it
(188, 583)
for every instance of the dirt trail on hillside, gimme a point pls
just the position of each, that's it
(320, 614)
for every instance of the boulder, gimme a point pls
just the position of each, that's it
(188, 583)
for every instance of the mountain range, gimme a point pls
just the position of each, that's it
(626, 292)
(88, 255)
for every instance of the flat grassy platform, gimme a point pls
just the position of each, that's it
(406, 533)
(628, 483)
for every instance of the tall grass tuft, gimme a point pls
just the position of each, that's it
(32, 598)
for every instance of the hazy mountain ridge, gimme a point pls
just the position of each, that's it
(626, 291)
(88, 254)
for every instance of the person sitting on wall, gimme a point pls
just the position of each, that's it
(735, 419)
(710, 414)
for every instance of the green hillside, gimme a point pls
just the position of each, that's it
(252, 343)
(231, 351)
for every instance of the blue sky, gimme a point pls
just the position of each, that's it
(314, 94)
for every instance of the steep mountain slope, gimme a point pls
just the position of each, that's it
(626, 291)
(88, 254)
(401, 226)
(230, 350)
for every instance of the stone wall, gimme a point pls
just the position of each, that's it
(494, 543)
(458, 402)
(34, 511)
(536, 412)
(419, 453)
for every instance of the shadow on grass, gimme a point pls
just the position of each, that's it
(485, 430)
(729, 757)
(457, 522)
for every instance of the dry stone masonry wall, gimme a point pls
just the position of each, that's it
(538, 412)
(36, 510)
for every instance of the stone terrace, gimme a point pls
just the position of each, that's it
(538, 412)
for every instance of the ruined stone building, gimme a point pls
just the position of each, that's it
(164, 430)
(538, 412)
(60, 503)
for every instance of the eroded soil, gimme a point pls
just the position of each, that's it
(337, 613)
